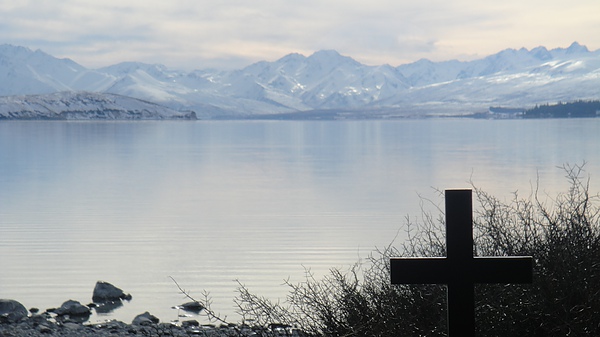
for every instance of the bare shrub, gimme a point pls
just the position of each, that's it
(563, 236)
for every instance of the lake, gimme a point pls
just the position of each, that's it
(209, 202)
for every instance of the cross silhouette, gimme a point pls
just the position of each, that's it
(459, 270)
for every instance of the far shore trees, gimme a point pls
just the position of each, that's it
(565, 110)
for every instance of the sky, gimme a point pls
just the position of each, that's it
(231, 34)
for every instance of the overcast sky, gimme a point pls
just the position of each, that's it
(198, 34)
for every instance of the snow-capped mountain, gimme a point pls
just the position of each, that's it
(518, 78)
(84, 105)
(324, 80)
(425, 72)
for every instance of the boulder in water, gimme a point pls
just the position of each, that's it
(194, 307)
(106, 292)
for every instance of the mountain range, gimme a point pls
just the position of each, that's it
(298, 85)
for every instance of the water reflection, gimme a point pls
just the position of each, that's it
(107, 307)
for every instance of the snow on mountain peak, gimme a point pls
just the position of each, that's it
(576, 48)
(541, 53)
(293, 57)
(330, 57)
(325, 54)
(7, 49)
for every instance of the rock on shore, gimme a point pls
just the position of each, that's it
(72, 311)
(11, 311)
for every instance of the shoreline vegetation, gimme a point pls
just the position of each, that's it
(561, 233)
(577, 109)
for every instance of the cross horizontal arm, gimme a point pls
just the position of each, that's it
(503, 269)
(419, 270)
(438, 270)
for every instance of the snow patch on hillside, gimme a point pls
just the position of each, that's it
(84, 105)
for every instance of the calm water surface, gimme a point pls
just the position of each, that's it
(133, 203)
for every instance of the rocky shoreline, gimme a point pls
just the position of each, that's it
(71, 320)
(50, 324)
(38, 325)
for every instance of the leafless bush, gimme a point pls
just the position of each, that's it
(563, 236)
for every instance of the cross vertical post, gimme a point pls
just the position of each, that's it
(459, 270)
(459, 247)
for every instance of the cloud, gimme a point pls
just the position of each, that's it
(235, 33)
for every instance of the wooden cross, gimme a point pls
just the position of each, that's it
(459, 270)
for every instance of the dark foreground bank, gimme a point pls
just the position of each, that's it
(38, 325)
(14, 324)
